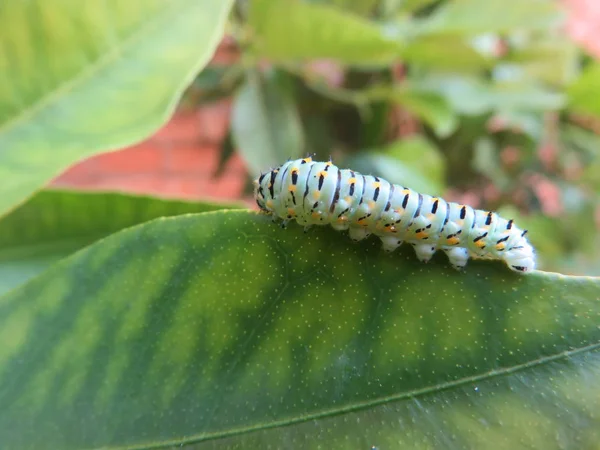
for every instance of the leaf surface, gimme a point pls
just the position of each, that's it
(220, 328)
(54, 224)
(289, 30)
(81, 78)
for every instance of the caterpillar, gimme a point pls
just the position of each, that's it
(319, 193)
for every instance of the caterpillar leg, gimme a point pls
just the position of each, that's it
(458, 256)
(340, 226)
(390, 243)
(424, 251)
(358, 233)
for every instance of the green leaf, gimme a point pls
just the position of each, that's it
(289, 30)
(215, 83)
(451, 53)
(475, 16)
(265, 124)
(225, 330)
(54, 224)
(583, 93)
(81, 78)
(412, 162)
(552, 60)
(359, 7)
(471, 96)
(432, 107)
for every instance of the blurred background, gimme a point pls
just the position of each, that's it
(494, 103)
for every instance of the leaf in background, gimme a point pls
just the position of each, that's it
(469, 95)
(434, 109)
(476, 16)
(226, 151)
(583, 93)
(223, 326)
(359, 7)
(265, 124)
(216, 82)
(54, 224)
(413, 162)
(451, 53)
(81, 78)
(554, 61)
(408, 6)
(486, 160)
(289, 30)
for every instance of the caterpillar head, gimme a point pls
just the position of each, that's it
(263, 191)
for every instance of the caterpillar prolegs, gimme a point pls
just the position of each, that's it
(318, 193)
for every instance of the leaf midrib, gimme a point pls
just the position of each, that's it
(366, 404)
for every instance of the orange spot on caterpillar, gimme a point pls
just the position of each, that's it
(452, 241)
(292, 188)
(307, 160)
(371, 204)
(352, 180)
(316, 195)
(322, 173)
(316, 215)
(291, 212)
(480, 243)
(500, 246)
(421, 235)
(376, 185)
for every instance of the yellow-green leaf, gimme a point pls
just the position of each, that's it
(54, 224)
(288, 30)
(584, 92)
(476, 16)
(78, 78)
(222, 329)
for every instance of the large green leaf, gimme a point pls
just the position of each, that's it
(223, 328)
(54, 224)
(77, 78)
(265, 123)
(289, 30)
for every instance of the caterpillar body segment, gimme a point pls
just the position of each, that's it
(319, 193)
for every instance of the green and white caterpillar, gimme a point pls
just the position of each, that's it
(318, 193)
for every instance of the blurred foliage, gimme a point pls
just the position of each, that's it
(484, 102)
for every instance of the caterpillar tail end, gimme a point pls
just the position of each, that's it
(521, 260)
